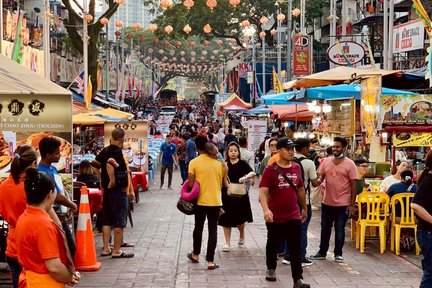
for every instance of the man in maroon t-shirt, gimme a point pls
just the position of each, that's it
(281, 204)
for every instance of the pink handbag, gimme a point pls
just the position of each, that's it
(193, 194)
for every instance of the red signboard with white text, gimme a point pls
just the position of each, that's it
(301, 55)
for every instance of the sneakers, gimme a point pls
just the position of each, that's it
(301, 284)
(286, 262)
(271, 275)
(317, 256)
(339, 258)
(226, 248)
(306, 262)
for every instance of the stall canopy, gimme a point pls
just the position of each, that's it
(234, 103)
(294, 112)
(337, 75)
(84, 119)
(345, 91)
(109, 112)
(15, 79)
(282, 98)
(263, 109)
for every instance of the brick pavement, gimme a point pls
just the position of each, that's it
(163, 236)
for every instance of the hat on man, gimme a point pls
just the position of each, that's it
(285, 142)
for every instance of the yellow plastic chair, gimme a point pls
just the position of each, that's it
(373, 213)
(406, 220)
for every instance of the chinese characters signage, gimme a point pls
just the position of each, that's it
(301, 55)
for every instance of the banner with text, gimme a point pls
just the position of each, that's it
(257, 130)
(408, 36)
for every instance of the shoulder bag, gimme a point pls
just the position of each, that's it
(186, 207)
(236, 189)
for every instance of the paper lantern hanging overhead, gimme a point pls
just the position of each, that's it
(280, 17)
(153, 27)
(296, 12)
(245, 23)
(187, 29)
(207, 28)
(165, 4)
(136, 26)
(262, 34)
(119, 24)
(104, 21)
(264, 20)
(234, 3)
(211, 4)
(168, 29)
(188, 4)
(273, 32)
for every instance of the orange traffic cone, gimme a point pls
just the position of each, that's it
(85, 255)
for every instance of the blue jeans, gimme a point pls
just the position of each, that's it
(304, 240)
(183, 170)
(15, 269)
(337, 216)
(424, 239)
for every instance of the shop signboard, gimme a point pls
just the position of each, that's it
(135, 136)
(406, 110)
(408, 36)
(412, 139)
(370, 106)
(346, 53)
(257, 130)
(301, 55)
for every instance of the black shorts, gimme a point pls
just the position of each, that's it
(115, 208)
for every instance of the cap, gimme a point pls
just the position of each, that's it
(285, 142)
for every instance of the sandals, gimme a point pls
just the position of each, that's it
(123, 245)
(191, 258)
(226, 248)
(105, 254)
(212, 266)
(123, 255)
(241, 241)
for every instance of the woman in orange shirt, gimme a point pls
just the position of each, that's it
(13, 202)
(41, 243)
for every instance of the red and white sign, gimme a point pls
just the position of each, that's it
(346, 53)
(408, 36)
(301, 55)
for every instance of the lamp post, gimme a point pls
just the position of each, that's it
(85, 47)
(279, 44)
(46, 40)
(263, 63)
(289, 28)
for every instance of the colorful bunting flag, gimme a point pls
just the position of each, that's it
(17, 50)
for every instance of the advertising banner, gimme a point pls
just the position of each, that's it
(406, 110)
(301, 55)
(408, 36)
(346, 53)
(412, 139)
(370, 106)
(135, 145)
(257, 130)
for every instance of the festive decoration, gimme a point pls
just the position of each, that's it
(168, 29)
(104, 21)
(117, 33)
(142, 39)
(129, 36)
(166, 43)
(165, 4)
(219, 42)
(187, 29)
(153, 27)
(188, 4)
(206, 42)
(89, 18)
(296, 12)
(262, 34)
(207, 28)
(178, 44)
(119, 1)
(264, 20)
(273, 32)
(211, 4)
(191, 44)
(156, 41)
(245, 23)
(118, 24)
(280, 17)
(136, 26)
(234, 3)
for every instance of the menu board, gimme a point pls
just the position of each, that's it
(257, 130)
(406, 110)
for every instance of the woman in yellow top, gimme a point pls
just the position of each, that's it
(209, 173)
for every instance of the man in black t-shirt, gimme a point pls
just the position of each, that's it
(114, 182)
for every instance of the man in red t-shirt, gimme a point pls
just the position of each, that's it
(284, 206)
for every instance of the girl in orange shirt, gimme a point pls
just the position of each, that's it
(13, 202)
(41, 243)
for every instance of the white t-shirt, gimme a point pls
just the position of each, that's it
(387, 182)
(310, 173)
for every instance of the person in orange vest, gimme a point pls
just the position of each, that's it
(41, 243)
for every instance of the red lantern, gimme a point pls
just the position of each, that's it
(153, 28)
(168, 29)
(187, 29)
(142, 39)
(119, 24)
(191, 44)
(188, 4)
(156, 41)
(273, 32)
(89, 18)
(129, 36)
(219, 113)
(165, 4)
(104, 21)
(262, 34)
(117, 33)
(219, 42)
(296, 12)
(264, 20)
(207, 28)
(234, 3)
(245, 23)
(206, 42)
(178, 44)
(166, 43)
(211, 4)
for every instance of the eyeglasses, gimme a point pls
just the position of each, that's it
(363, 165)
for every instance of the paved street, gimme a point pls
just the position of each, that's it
(163, 236)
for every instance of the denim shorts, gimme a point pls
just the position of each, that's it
(115, 208)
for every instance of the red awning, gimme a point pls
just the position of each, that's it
(234, 103)
(293, 112)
